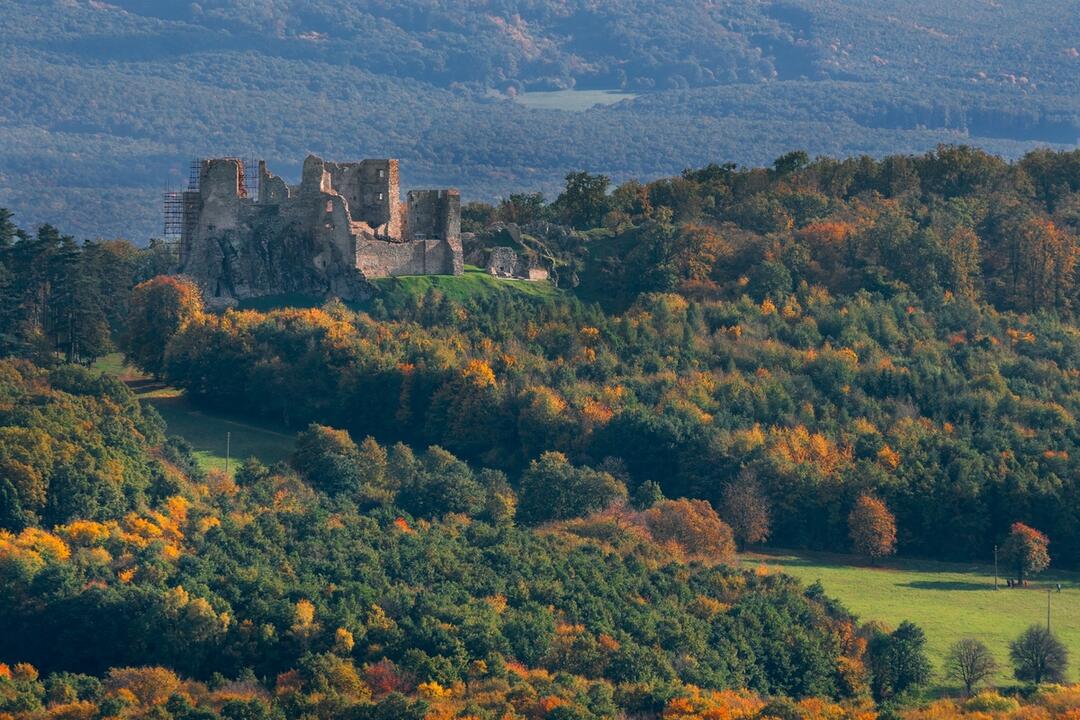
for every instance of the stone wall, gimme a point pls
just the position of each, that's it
(378, 258)
(272, 189)
(371, 188)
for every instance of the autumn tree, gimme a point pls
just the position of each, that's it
(745, 507)
(829, 245)
(694, 526)
(667, 255)
(1026, 550)
(962, 261)
(1035, 263)
(1038, 656)
(158, 309)
(970, 663)
(149, 685)
(872, 528)
(466, 414)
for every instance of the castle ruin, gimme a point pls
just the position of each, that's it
(343, 224)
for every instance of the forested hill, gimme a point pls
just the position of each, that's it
(105, 102)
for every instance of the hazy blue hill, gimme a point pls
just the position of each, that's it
(104, 103)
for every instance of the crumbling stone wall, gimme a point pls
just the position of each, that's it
(434, 215)
(343, 224)
(375, 258)
(272, 189)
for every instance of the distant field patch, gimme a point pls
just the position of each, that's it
(571, 100)
(948, 601)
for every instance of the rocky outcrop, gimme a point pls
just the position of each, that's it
(505, 252)
(504, 262)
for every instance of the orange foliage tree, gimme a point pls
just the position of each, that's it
(1026, 550)
(694, 526)
(872, 528)
(159, 308)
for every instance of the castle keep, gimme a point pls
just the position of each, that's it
(244, 237)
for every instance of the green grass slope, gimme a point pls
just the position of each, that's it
(474, 284)
(393, 292)
(212, 435)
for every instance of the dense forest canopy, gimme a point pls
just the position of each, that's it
(903, 327)
(105, 102)
(360, 573)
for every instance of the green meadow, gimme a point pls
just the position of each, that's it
(948, 601)
(215, 437)
(475, 283)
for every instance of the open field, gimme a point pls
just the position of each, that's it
(571, 100)
(949, 601)
(205, 431)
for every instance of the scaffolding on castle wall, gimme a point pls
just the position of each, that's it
(194, 173)
(173, 215)
(191, 214)
(254, 178)
(180, 208)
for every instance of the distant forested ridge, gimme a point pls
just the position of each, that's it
(104, 103)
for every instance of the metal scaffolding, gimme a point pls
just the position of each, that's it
(194, 171)
(173, 212)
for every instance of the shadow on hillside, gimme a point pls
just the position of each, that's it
(947, 585)
(144, 385)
